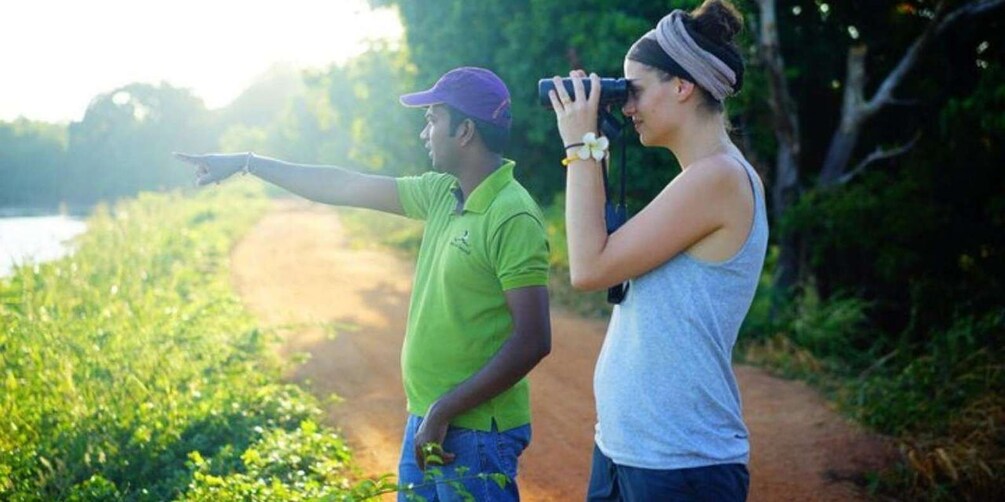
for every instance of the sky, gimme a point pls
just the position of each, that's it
(55, 55)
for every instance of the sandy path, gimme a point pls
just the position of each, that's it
(294, 266)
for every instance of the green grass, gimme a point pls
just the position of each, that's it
(130, 371)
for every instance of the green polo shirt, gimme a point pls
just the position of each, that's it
(458, 317)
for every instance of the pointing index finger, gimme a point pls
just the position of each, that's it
(185, 157)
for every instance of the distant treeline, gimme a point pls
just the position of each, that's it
(123, 144)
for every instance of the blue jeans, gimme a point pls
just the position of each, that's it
(477, 452)
(610, 482)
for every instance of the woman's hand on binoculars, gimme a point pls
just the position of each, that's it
(577, 115)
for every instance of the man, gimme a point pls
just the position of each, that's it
(478, 319)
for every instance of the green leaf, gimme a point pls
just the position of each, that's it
(500, 479)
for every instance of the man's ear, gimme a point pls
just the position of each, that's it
(466, 132)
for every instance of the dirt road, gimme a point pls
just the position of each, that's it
(295, 266)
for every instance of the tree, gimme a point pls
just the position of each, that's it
(856, 109)
(125, 140)
(32, 161)
(350, 115)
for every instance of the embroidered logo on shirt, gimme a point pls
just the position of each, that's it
(461, 242)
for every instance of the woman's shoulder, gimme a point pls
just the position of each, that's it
(719, 167)
(720, 174)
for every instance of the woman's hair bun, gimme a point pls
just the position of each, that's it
(717, 20)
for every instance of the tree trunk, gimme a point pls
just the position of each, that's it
(845, 137)
(838, 155)
(785, 192)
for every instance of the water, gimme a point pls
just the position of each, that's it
(35, 239)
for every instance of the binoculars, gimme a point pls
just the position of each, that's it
(613, 91)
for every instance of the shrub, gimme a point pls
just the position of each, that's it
(123, 362)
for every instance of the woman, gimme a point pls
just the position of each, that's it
(669, 422)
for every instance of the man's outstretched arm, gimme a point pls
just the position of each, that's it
(327, 184)
(527, 346)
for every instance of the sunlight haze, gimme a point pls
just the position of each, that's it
(59, 54)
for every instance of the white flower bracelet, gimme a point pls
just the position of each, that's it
(591, 147)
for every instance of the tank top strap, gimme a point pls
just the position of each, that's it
(753, 177)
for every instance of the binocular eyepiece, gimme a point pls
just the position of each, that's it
(613, 91)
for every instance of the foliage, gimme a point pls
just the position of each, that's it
(349, 115)
(944, 402)
(129, 361)
(39, 145)
(125, 140)
(940, 399)
(301, 464)
(924, 390)
(810, 338)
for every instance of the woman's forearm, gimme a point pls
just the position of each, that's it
(586, 230)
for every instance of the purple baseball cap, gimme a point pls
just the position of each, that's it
(475, 92)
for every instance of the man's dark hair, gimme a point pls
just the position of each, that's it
(496, 138)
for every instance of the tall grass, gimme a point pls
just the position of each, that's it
(129, 370)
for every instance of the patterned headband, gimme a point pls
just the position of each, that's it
(708, 71)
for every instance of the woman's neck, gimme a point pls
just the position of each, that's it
(699, 138)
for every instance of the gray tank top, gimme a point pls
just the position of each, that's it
(666, 394)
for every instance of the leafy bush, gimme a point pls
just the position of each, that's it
(926, 389)
(128, 361)
(807, 337)
(940, 399)
(301, 464)
(945, 404)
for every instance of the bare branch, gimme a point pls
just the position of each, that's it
(904, 66)
(940, 23)
(880, 154)
(856, 109)
(974, 9)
